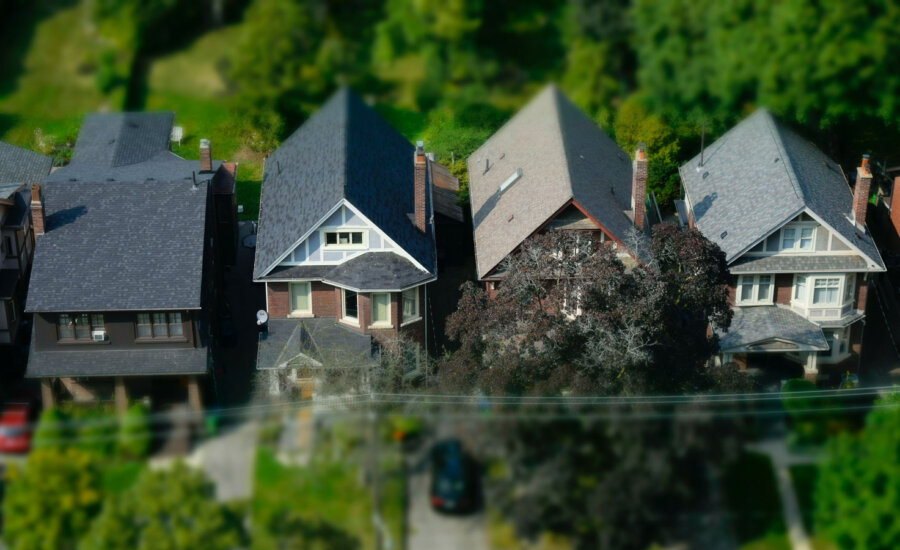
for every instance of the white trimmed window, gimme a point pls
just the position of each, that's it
(411, 304)
(754, 290)
(794, 237)
(850, 288)
(349, 305)
(344, 239)
(381, 308)
(800, 288)
(301, 298)
(826, 291)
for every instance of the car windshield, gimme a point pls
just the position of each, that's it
(12, 431)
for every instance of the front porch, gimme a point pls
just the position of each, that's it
(162, 391)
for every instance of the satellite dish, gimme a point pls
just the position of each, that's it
(261, 317)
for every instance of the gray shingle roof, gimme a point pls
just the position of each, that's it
(18, 213)
(760, 175)
(798, 264)
(344, 151)
(322, 340)
(366, 273)
(563, 155)
(758, 324)
(115, 362)
(120, 139)
(19, 165)
(120, 246)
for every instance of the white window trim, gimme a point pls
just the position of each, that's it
(353, 321)
(380, 324)
(807, 304)
(300, 312)
(754, 301)
(418, 315)
(338, 247)
(798, 228)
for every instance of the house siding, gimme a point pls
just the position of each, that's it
(120, 330)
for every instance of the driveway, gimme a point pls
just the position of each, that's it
(428, 530)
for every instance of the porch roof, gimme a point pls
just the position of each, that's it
(322, 340)
(770, 328)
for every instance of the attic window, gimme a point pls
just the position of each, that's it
(511, 180)
(344, 239)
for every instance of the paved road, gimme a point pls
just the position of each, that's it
(428, 530)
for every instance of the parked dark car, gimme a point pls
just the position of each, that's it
(454, 478)
(16, 427)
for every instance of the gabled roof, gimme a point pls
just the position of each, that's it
(344, 151)
(563, 156)
(21, 166)
(758, 176)
(120, 246)
(761, 324)
(368, 272)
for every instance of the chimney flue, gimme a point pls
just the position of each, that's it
(37, 209)
(639, 187)
(205, 156)
(421, 175)
(861, 192)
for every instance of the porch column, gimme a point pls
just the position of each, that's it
(195, 400)
(47, 395)
(121, 395)
(811, 367)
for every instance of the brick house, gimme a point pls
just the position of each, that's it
(551, 167)
(125, 277)
(19, 170)
(345, 241)
(796, 243)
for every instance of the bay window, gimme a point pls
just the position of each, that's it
(826, 291)
(381, 308)
(349, 305)
(824, 296)
(410, 304)
(754, 289)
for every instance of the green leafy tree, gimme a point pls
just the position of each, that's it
(52, 430)
(135, 434)
(165, 510)
(50, 502)
(858, 491)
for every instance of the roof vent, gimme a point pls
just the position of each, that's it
(723, 235)
(776, 159)
(705, 175)
(511, 180)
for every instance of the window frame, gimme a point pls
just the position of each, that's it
(845, 280)
(778, 237)
(93, 323)
(382, 323)
(403, 299)
(337, 245)
(169, 337)
(354, 319)
(293, 311)
(755, 283)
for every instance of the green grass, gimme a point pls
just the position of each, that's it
(755, 505)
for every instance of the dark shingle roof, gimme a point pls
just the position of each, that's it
(344, 151)
(760, 175)
(563, 155)
(116, 362)
(19, 165)
(18, 213)
(758, 324)
(322, 340)
(120, 246)
(798, 264)
(367, 272)
(120, 139)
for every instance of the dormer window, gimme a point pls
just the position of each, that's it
(345, 239)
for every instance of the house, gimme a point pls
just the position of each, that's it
(796, 244)
(19, 170)
(551, 167)
(125, 275)
(345, 234)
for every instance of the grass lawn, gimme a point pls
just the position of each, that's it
(55, 84)
(754, 503)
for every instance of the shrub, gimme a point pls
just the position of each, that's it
(135, 434)
(106, 78)
(52, 430)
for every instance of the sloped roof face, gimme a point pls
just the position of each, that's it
(119, 246)
(344, 151)
(563, 156)
(760, 175)
(757, 324)
(120, 139)
(19, 165)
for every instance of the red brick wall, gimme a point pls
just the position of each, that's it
(783, 286)
(862, 291)
(325, 301)
(278, 299)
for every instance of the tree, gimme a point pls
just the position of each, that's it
(50, 503)
(135, 434)
(858, 491)
(165, 510)
(51, 431)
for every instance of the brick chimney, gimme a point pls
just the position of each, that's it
(861, 191)
(639, 187)
(205, 156)
(37, 209)
(420, 177)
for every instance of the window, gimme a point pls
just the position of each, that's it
(345, 238)
(850, 288)
(806, 238)
(788, 238)
(800, 288)
(79, 326)
(825, 291)
(300, 298)
(754, 289)
(160, 326)
(411, 304)
(381, 308)
(350, 304)
(791, 238)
